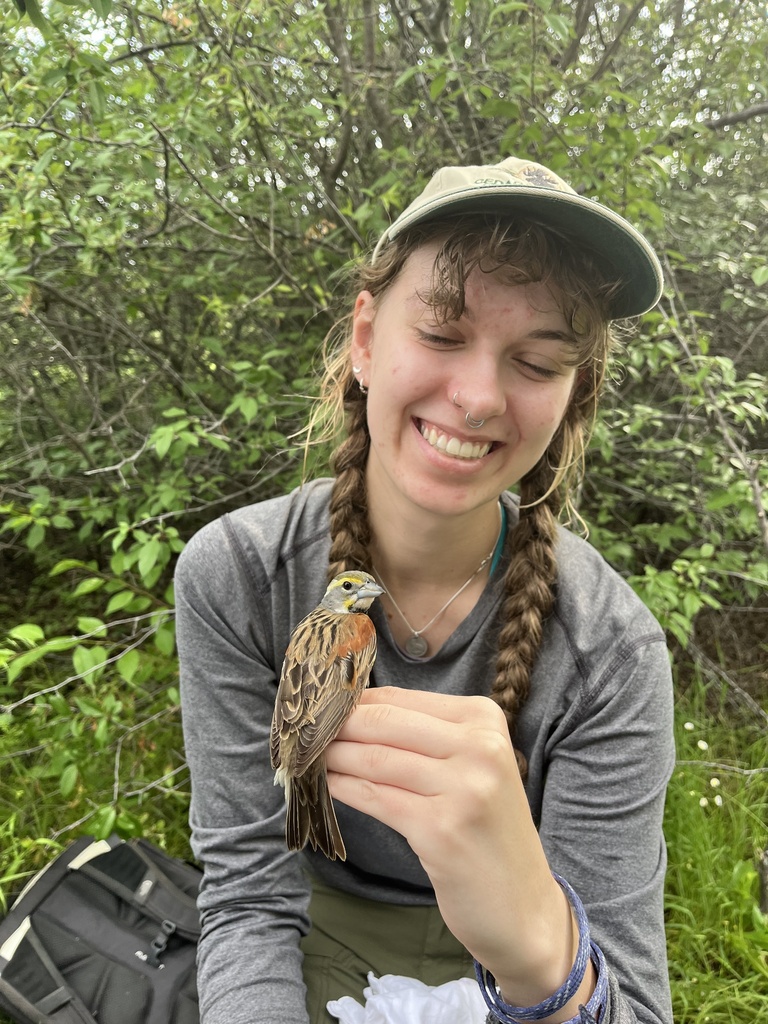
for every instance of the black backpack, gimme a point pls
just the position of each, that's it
(105, 934)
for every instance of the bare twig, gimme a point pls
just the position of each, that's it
(719, 673)
(164, 713)
(8, 709)
(738, 116)
(721, 766)
(156, 784)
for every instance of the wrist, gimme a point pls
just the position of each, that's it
(541, 948)
(584, 986)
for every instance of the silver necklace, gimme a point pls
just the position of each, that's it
(416, 645)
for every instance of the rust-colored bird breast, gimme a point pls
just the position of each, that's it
(326, 668)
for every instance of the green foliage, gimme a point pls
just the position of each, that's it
(676, 493)
(717, 810)
(181, 189)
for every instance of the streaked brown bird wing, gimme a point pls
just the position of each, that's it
(326, 669)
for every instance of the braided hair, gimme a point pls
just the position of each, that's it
(529, 253)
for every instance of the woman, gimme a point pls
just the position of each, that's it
(471, 364)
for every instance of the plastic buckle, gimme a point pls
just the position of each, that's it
(160, 943)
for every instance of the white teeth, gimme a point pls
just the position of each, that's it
(452, 445)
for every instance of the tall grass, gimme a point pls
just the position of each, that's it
(716, 824)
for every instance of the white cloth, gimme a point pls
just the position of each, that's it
(393, 999)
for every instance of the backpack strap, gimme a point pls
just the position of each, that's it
(22, 954)
(49, 996)
(46, 880)
(134, 872)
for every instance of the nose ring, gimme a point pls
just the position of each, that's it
(469, 418)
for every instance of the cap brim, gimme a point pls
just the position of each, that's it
(620, 252)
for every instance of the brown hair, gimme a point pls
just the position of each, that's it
(528, 252)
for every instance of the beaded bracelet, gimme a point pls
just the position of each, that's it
(586, 951)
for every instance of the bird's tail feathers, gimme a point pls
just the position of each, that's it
(311, 817)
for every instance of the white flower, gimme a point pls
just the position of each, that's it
(702, 745)
(703, 802)
(689, 726)
(718, 801)
(714, 783)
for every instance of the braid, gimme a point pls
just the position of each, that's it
(348, 509)
(529, 594)
(527, 252)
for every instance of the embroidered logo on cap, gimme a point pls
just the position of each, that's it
(533, 175)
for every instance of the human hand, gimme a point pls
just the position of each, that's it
(441, 770)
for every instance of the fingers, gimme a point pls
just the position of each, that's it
(391, 805)
(426, 744)
(403, 737)
(394, 726)
(385, 765)
(417, 720)
(445, 706)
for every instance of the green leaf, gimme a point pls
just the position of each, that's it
(68, 780)
(102, 8)
(28, 633)
(162, 439)
(165, 639)
(89, 708)
(407, 75)
(101, 735)
(128, 665)
(102, 823)
(89, 625)
(81, 660)
(559, 25)
(16, 667)
(51, 79)
(88, 586)
(36, 16)
(119, 601)
(36, 536)
(65, 565)
(760, 275)
(437, 85)
(150, 553)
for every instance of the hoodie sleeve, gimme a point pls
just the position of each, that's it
(254, 897)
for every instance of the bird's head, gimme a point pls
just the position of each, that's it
(352, 591)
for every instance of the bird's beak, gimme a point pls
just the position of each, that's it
(370, 591)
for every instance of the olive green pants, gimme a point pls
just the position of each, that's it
(351, 936)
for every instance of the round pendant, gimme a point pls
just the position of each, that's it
(416, 646)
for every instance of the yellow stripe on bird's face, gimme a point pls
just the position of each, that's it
(351, 591)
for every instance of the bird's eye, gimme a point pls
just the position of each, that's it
(346, 585)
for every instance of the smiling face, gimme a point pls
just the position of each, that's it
(508, 360)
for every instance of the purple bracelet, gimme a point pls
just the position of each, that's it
(587, 950)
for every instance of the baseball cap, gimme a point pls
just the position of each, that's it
(522, 186)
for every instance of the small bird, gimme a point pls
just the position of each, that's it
(326, 668)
